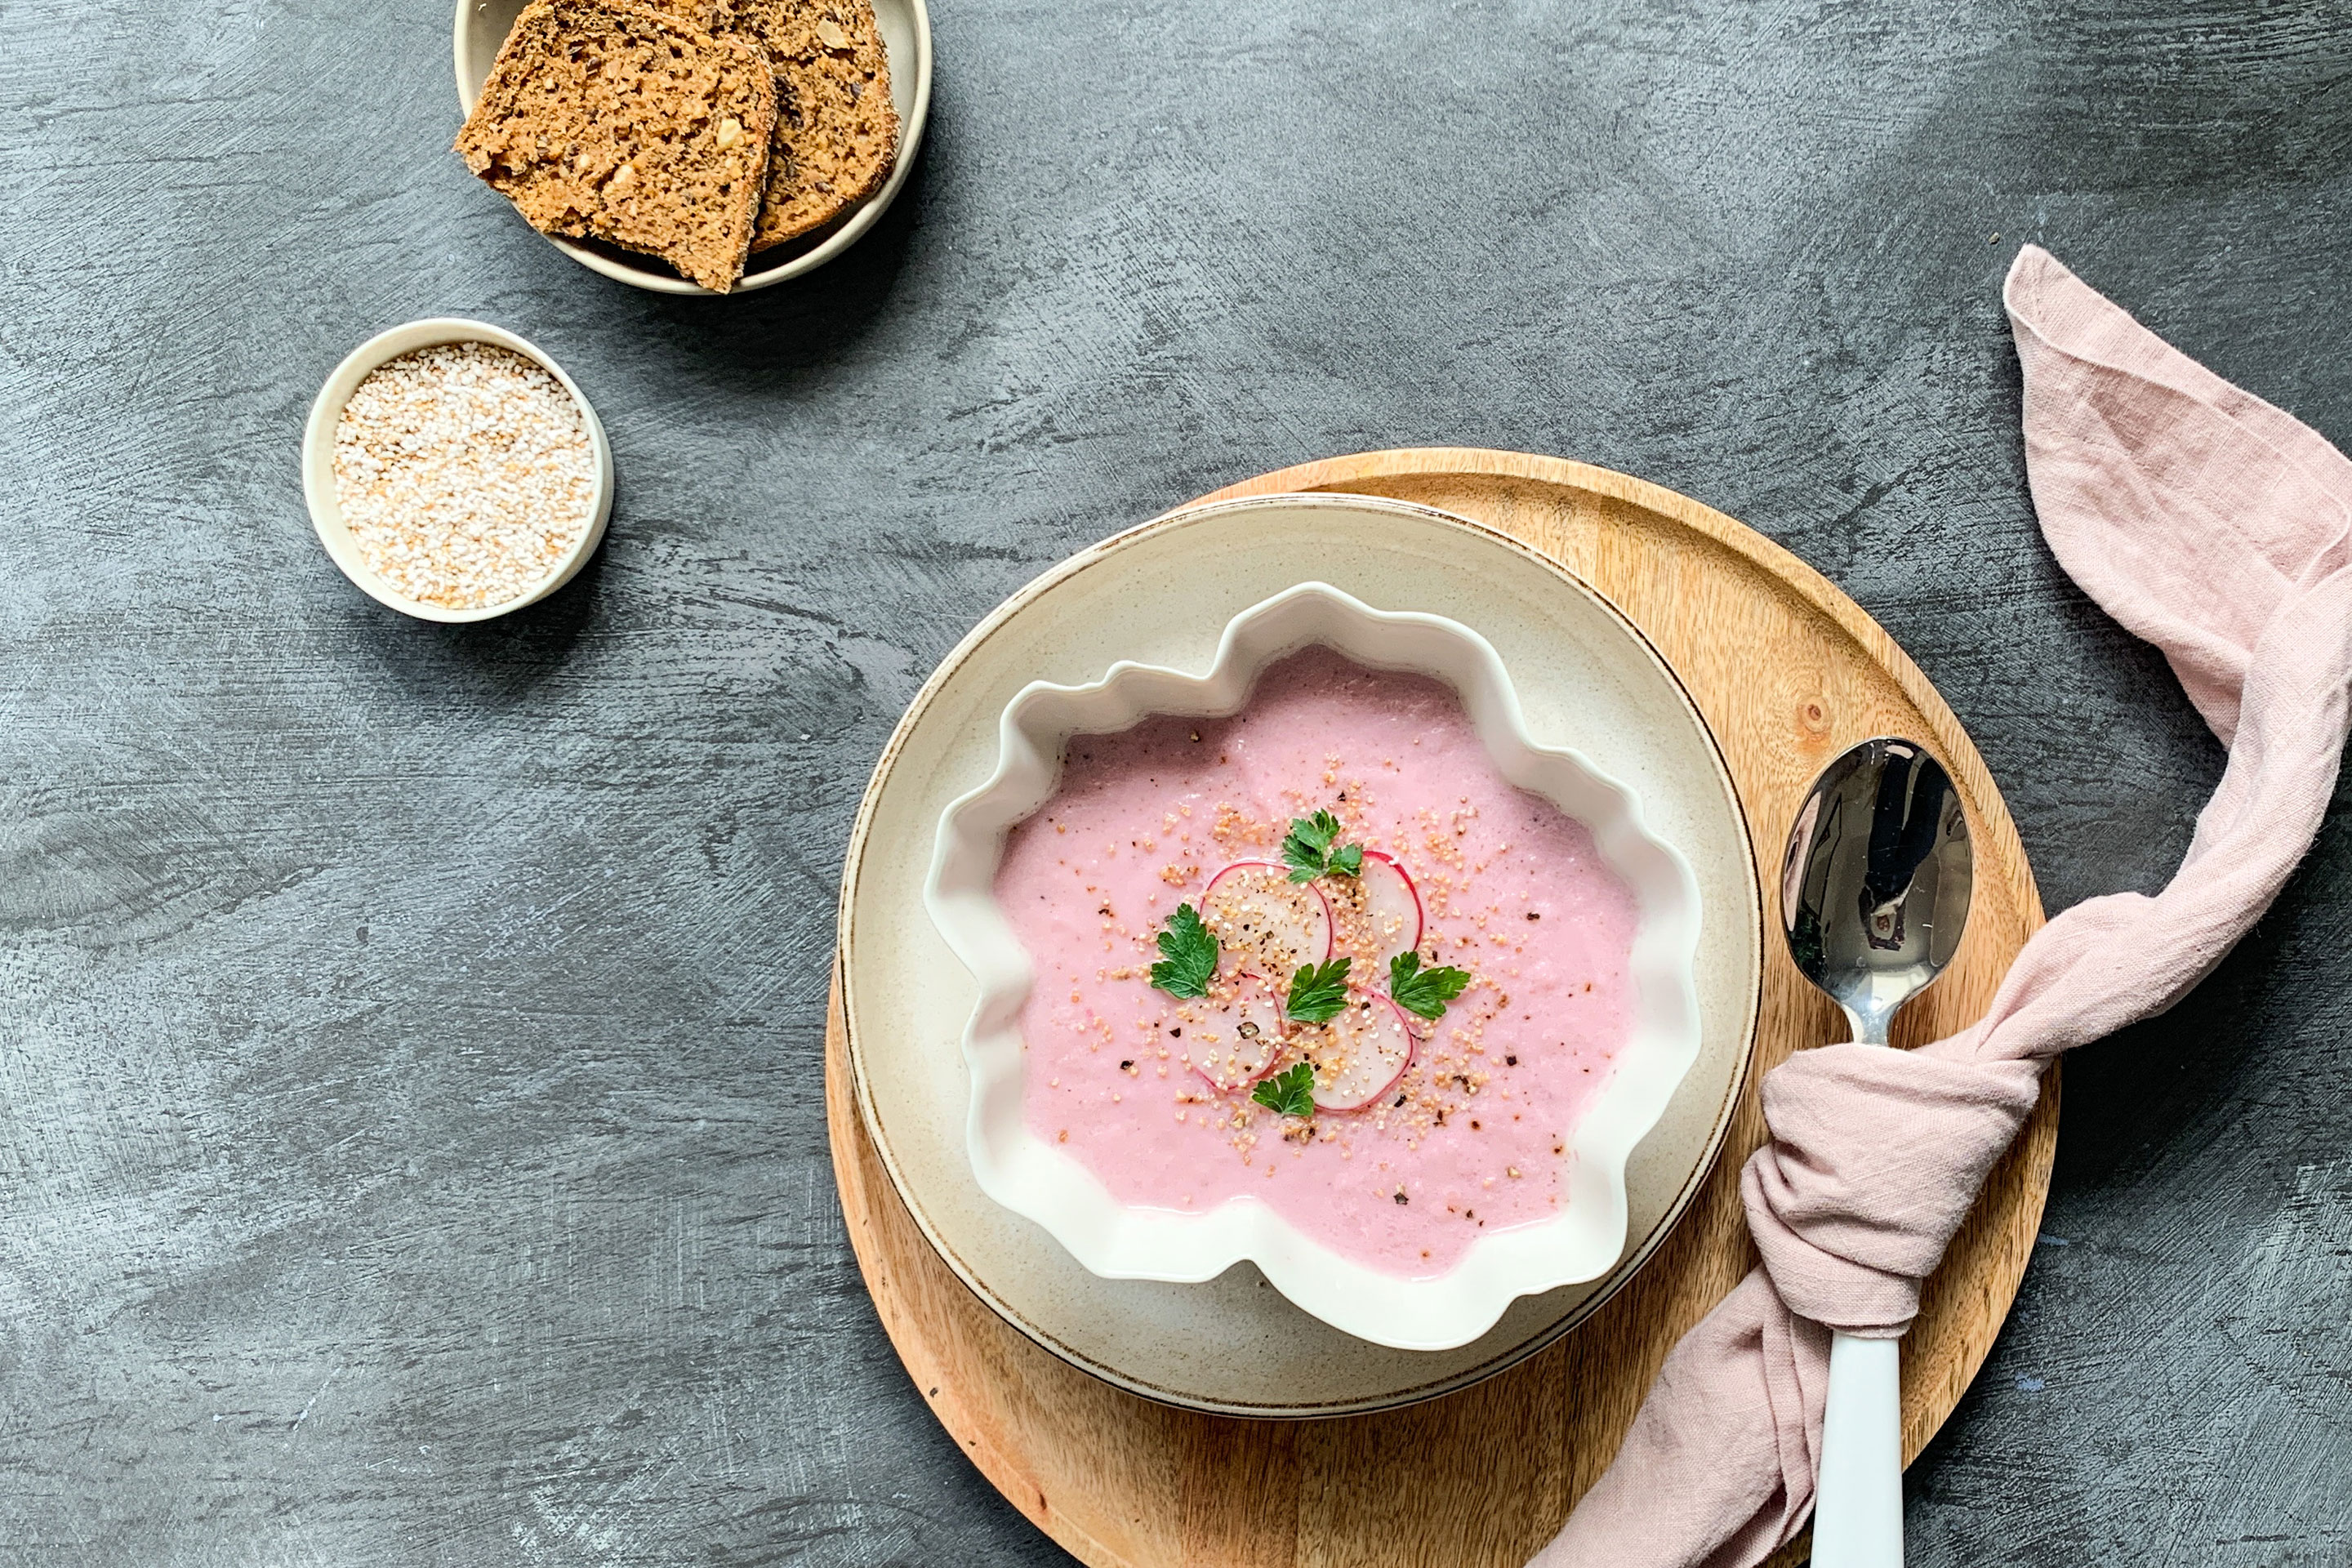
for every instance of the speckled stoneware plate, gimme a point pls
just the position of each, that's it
(1162, 594)
(906, 27)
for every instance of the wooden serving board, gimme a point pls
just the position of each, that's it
(1788, 671)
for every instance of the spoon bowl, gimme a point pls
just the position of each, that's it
(1875, 886)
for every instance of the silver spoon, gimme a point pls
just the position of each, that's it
(1875, 893)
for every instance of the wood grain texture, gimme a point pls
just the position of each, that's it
(1787, 672)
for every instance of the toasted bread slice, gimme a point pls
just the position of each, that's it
(837, 128)
(612, 122)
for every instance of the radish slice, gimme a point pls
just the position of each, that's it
(1391, 907)
(1268, 923)
(1359, 1054)
(1233, 1033)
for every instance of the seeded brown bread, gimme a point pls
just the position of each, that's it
(612, 122)
(836, 130)
(707, 15)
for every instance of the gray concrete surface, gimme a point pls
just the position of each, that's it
(411, 1136)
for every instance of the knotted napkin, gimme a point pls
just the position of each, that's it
(2213, 525)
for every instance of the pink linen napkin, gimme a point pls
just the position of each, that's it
(2214, 526)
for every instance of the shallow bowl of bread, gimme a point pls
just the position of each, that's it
(1123, 1241)
(825, 55)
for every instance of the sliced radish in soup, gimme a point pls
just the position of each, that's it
(1233, 1033)
(1391, 906)
(1264, 920)
(1359, 1054)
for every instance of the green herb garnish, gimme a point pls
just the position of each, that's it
(1318, 992)
(1308, 850)
(1188, 955)
(1290, 1091)
(1424, 991)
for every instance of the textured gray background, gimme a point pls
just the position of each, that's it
(411, 1137)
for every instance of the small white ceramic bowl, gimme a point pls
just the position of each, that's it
(906, 26)
(1029, 1176)
(319, 463)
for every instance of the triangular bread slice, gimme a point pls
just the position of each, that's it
(612, 122)
(837, 128)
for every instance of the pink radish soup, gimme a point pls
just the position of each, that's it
(1391, 1135)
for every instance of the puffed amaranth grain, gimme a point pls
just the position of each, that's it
(837, 128)
(618, 122)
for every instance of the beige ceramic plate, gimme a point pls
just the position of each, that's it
(1162, 594)
(483, 25)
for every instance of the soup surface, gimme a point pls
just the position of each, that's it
(1464, 989)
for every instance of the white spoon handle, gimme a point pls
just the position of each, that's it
(1858, 1507)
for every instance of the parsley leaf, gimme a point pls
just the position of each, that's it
(1188, 955)
(1318, 992)
(1306, 849)
(1290, 1091)
(1424, 991)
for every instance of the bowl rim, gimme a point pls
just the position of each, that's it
(319, 463)
(851, 230)
(1113, 1239)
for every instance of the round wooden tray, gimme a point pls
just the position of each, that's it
(1788, 671)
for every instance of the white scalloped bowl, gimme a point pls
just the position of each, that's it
(1117, 1241)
